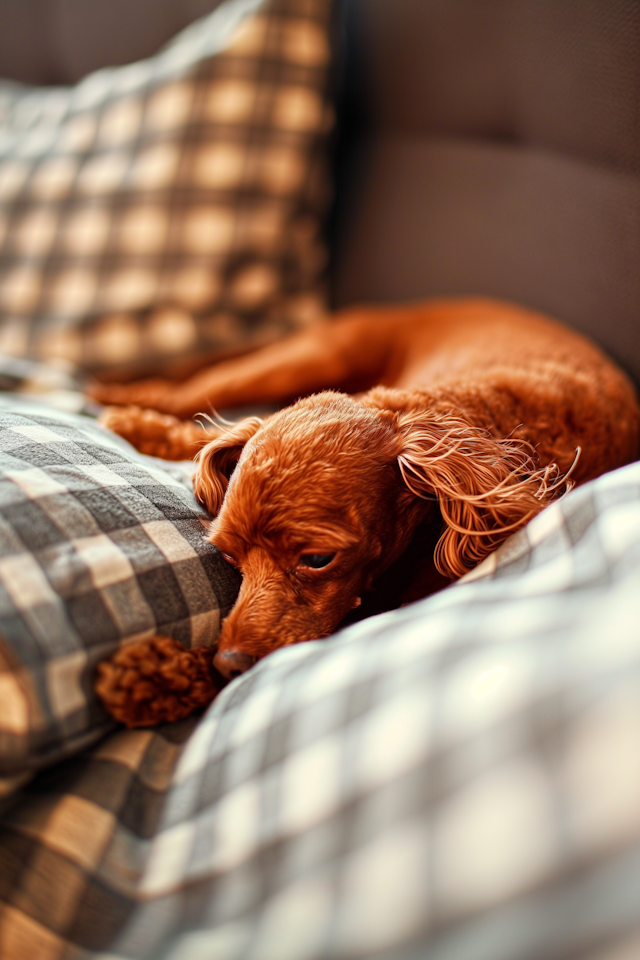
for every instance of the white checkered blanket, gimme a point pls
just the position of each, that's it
(458, 779)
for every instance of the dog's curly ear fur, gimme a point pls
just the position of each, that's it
(217, 460)
(486, 487)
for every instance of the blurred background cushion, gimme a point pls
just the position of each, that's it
(168, 209)
(99, 545)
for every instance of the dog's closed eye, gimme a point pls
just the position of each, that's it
(316, 560)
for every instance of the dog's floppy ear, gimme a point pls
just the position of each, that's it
(217, 460)
(486, 488)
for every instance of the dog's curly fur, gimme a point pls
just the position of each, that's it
(482, 412)
(157, 680)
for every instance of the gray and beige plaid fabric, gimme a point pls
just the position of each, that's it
(98, 545)
(56, 385)
(457, 780)
(172, 207)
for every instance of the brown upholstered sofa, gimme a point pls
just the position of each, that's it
(485, 148)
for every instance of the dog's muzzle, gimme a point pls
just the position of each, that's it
(231, 663)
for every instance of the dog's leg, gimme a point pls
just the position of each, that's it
(353, 349)
(157, 434)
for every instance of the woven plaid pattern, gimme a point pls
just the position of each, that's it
(172, 207)
(98, 545)
(73, 846)
(55, 385)
(457, 780)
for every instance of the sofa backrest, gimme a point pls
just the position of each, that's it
(60, 41)
(493, 147)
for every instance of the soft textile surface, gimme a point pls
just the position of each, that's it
(458, 779)
(98, 545)
(171, 207)
(58, 387)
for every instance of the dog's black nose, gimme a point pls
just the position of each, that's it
(231, 663)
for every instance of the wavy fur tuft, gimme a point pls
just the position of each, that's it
(486, 488)
(216, 461)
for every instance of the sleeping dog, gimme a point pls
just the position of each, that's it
(477, 415)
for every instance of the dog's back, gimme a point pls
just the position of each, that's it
(516, 373)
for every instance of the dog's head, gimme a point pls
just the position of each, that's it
(316, 502)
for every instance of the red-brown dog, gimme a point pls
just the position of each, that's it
(481, 412)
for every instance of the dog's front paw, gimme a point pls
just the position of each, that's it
(148, 431)
(157, 681)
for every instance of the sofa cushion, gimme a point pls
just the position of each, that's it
(98, 546)
(170, 208)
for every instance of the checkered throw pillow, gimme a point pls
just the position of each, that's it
(170, 208)
(98, 545)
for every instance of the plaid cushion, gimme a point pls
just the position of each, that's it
(170, 207)
(56, 385)
(102, 807)
(98, 545)
(458, 780)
